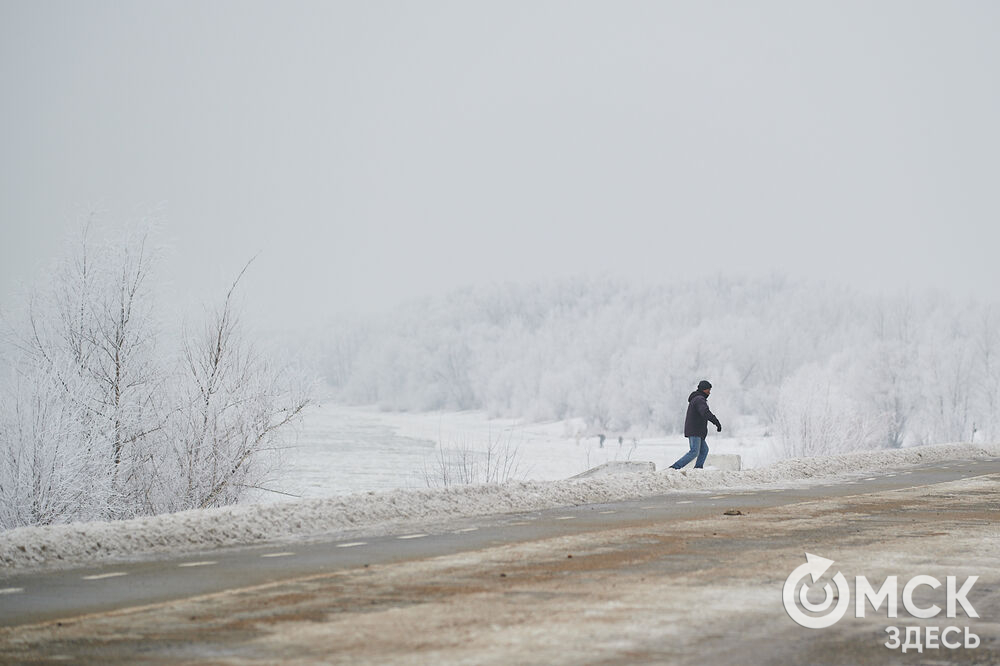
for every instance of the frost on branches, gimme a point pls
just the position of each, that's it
(96, 423)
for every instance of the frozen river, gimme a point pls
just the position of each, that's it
(342, 450)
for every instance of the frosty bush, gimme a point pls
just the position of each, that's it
(817, 415)
(97, 423)
(49, 470)
(465, 464)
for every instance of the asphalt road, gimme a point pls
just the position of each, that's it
(55, 595)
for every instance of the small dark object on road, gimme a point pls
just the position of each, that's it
(734, 512)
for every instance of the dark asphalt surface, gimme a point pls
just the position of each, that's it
(35, 597)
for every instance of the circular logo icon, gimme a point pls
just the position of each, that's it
(819, 615)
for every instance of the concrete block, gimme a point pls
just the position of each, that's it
(728, 462)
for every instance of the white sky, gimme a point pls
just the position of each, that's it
(377, 151)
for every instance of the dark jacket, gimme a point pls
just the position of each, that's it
(698, 416)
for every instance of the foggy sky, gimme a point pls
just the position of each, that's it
(372, 152)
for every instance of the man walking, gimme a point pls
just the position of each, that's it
(696, 426)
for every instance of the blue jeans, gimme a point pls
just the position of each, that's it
(699, 448)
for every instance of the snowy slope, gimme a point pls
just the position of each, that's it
(64, 545)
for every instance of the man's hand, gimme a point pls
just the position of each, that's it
(718, 427)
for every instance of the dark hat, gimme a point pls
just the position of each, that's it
(703, 384)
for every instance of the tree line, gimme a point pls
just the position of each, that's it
(823, 367)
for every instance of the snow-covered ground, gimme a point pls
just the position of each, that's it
(379, 512)
(343, 450)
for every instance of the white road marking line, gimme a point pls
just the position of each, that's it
(520, 522)
(647, 508)
(206, 563)
(352, 544)
(11, 590)
(719, 497)
(870, 478)
(686, 502)
(277, 554)
(412, 536)
(605, 511)
(114, 574)
(466, 529)
(565, 517)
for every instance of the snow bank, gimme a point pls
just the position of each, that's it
(189, 531)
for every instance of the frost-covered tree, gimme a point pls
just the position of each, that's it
(234, 403)
(987, 350)
(88, 353)
(97, 423)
